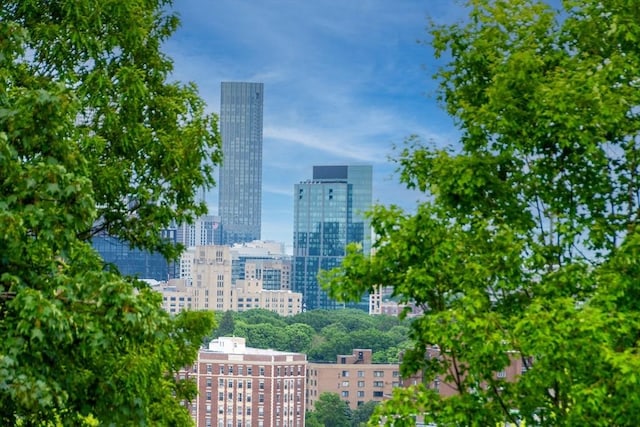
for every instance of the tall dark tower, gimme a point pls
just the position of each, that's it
(240, 201)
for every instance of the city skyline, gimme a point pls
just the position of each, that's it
(344, 83)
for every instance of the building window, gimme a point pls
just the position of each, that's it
(345, 393)
(502, 374)
(395, 374)
(208, 395)
(249, 370)
(209, 381)
(262, 371)
(361, 374)
(378, 383)
(361, 384)
(209, 368)
(261, 385)
(249, 384)
(345, 383)
(377, 394)
(221, 396)
(360, 393)
(345, 373)
(378, 374)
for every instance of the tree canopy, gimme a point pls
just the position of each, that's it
(321, 334)
(93, 137)
(527, 244)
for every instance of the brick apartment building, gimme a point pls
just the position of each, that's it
(511, 372)
(240, 386)
(354, 377)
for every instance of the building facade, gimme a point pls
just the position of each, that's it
(354, 377)
(240, 181)
(240, 386)
(206, 284)
(205, 230)
(328, 215)
(250, 294)
(135, 262)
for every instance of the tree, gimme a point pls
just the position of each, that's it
(362, 414)
(527, 244)
(93, 138)
(330, 411)
(298, 337)
(226, 325)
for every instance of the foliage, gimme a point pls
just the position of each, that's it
(92, 138)
(330, 411)
(226, 325)
(324, 334)
(362, 414)
(527, 245)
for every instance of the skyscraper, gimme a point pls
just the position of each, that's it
(328, 215)
(240, 201)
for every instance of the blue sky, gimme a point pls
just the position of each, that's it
(345, 80)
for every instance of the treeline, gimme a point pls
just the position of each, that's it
(320, 334)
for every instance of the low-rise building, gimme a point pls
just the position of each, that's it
(354, 377)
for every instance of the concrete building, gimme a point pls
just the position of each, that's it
(354, 377)
(381, 302)
(270, 263)
(250, 294)
(204, 231)
(175, 296)
(329, 215)
(240, 386)
(240, 182)
(206, 283)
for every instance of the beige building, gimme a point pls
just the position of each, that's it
(240, 386)
(250, 294)
(354, 377)
(206, 284)
(175, 296)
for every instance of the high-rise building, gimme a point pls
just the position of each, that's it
(136, 262)
(240, 200)
(328, 215)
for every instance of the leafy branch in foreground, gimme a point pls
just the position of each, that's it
(93, 137)
(528, 244)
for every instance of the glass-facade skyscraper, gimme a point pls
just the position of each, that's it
(328, 215)
(135, 262)
(240, 181)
